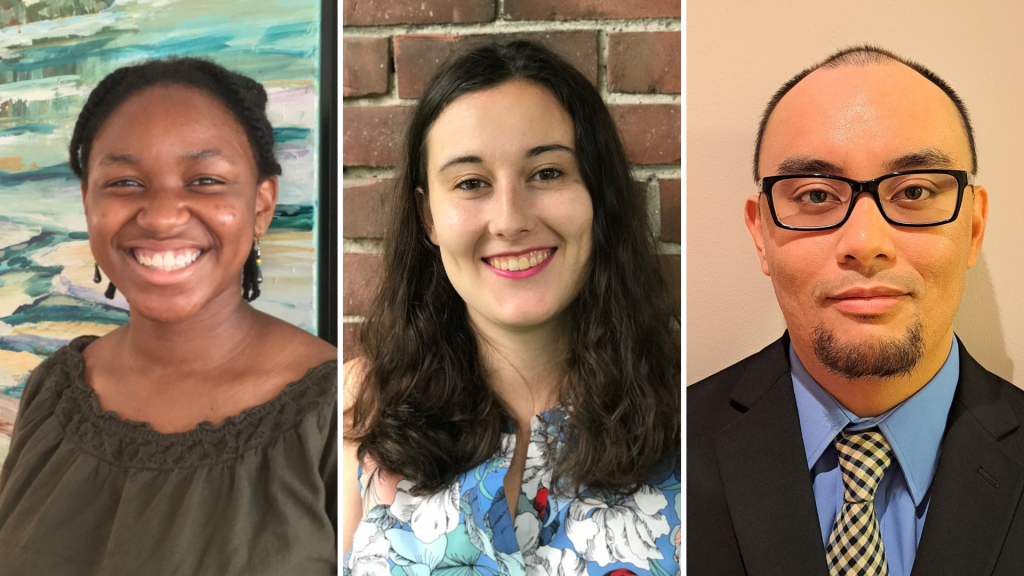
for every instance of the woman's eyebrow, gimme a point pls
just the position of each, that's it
(204, 154)
(460, 160)
(538, 150)
(119, 159)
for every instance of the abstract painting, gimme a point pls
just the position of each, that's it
(52, 54)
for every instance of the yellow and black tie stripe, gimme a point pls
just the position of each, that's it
(855, 545)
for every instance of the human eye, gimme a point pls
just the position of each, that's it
(124, 183)
(817, 197)
(206, 181)
(124, 186)
(548, 174)
(913, 192)
(470, 184)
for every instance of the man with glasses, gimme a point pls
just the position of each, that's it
(866, 440)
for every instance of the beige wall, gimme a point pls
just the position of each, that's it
(739, 53)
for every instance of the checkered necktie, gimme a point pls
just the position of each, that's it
(855, 545)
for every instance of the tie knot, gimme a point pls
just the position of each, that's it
(863, 458)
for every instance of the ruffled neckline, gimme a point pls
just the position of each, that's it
(128, 443)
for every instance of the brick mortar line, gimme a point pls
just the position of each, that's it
(602, 65)
(511, 26)
(363, 172)
(361, 245)
(643, 172)
(654, 205)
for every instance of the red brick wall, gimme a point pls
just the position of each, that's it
(391, 49)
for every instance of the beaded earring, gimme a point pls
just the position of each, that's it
(252, 273)
(259, 263)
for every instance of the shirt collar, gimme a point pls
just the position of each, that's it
(913, 429)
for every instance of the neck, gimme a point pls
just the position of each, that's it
(871, 396)
(201, 342)
(525, 367)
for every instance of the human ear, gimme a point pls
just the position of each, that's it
(266, 200)
(979, 217)
(423, 204)
(752, 217)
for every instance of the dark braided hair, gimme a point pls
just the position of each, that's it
(245, 98)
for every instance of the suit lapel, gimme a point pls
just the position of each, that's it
(977, 485)
(765, 476)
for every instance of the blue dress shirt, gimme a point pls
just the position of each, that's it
(914, 430)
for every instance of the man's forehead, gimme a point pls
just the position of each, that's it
(856, 116)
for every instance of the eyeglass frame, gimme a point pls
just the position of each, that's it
(963, 179)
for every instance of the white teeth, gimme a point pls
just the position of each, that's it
(519, 263)
(168, 261)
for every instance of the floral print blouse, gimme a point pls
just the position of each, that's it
(466, 529)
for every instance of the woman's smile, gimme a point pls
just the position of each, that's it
(519, 265)
(173, 201)
(507, 206)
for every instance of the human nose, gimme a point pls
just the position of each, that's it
(866, 237)
(164, 209)
(510, 211)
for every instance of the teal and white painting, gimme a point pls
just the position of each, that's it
(52, 54)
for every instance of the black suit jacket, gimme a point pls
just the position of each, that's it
(750, 508)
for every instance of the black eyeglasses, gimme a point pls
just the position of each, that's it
(914, 198)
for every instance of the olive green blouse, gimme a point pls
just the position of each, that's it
(83, 492)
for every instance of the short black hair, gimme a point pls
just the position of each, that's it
(244, 97)
(864, 55)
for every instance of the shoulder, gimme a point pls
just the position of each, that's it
(982, 391)
(59, 369)
(745, 380)
(296, 343)
(291, 350)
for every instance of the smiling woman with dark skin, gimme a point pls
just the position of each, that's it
(200, 437)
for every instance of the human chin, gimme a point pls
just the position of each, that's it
(158, 305)
(883, 356)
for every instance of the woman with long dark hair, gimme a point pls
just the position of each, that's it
(200, 437)
(517, 408)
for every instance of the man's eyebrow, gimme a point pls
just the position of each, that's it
(808, 165)
(119, 159)
(538, 150)
(461, 160)
(924, 158)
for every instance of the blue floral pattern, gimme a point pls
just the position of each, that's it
(466, 529)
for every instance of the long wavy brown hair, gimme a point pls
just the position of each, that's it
(424, 407)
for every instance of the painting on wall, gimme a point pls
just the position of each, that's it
(52, 54)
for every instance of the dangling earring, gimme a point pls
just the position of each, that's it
(252, 275)
(259, 263)
(97, 279)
